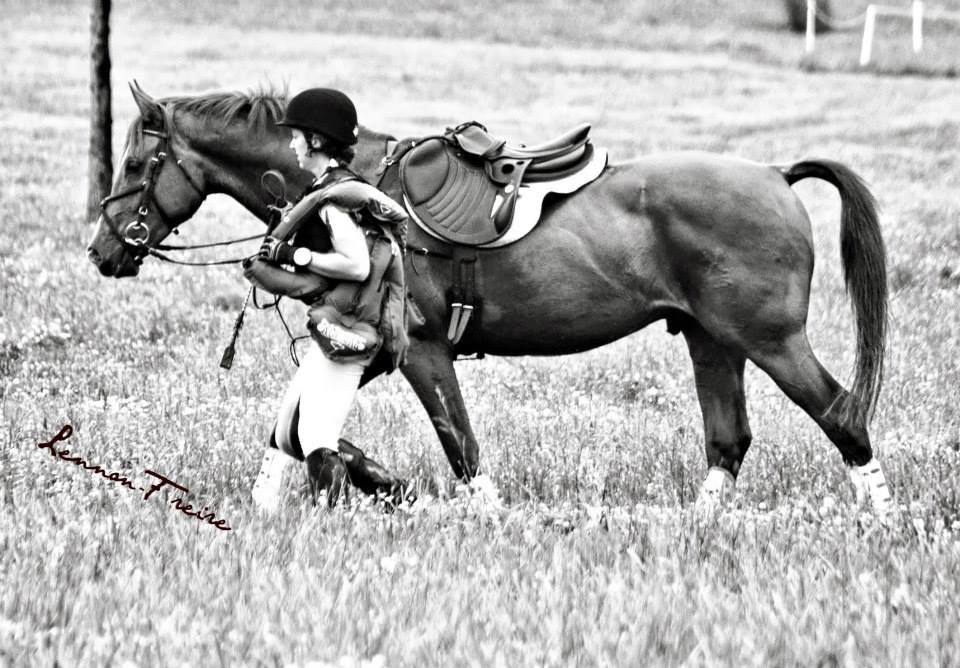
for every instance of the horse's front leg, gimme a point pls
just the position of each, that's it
(429, 370)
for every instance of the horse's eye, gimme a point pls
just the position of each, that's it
(132, 166)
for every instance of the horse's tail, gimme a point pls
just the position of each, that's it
(865, 274)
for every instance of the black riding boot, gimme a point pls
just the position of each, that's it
(371, 477)
(327, 475)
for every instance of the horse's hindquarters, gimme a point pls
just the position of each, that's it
(738, 245)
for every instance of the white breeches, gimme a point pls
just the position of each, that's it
(324, 392)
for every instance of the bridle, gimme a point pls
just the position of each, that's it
(135, 234)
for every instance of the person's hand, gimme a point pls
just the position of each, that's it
(275, 250)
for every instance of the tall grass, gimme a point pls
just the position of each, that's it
(597, 558)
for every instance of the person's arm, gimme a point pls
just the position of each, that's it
(349, 259)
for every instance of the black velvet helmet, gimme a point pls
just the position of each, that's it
(323, 110)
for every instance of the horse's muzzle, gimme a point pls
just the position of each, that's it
(110, 267)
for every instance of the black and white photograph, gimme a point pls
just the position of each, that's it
(390, 334)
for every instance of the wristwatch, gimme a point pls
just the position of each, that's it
(302, 256)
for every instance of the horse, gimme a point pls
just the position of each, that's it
(719, 247)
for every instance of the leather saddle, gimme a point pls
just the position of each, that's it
(463, 186)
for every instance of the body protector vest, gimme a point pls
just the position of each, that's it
(350, 320)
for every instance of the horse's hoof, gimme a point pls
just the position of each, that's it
(717, 490)
(872, 491)
(484, 491)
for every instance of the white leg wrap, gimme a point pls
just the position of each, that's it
(718, 488)
(871, 487)
(266, 488)
(485, 491)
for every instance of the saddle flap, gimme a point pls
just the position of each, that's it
(424, 169)
(453, 197)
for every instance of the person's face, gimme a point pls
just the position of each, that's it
(298, 143)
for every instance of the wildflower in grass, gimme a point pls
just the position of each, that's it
(42, 332)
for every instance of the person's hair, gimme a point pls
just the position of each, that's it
(339, 151)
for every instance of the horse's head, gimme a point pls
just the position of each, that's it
(155, 190)
(222, 143)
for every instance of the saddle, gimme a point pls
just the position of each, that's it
(463, 186)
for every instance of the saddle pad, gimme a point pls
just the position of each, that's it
(530, 200)
(452, 197)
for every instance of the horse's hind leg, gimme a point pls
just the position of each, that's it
(796, 370)
(718, 373)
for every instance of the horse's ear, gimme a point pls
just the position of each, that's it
(150, 109)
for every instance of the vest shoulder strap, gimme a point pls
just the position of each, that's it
(361, 197)
(292, 220)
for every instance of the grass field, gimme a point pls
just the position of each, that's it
(597, 558)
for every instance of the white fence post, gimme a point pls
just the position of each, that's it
(916, 12)
(811, 25)
(869, 23)
(917, 27)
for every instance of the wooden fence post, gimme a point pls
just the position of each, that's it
(101, 125)
(797, 15)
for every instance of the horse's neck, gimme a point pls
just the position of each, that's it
(237, 159)
(371, 150)
(233, 159)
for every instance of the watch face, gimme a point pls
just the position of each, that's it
(301, 257)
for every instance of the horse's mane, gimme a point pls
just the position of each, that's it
(259, 108)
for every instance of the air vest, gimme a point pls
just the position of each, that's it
(350, 320)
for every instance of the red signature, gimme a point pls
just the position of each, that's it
(202, 515)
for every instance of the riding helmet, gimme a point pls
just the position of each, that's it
(323, 110)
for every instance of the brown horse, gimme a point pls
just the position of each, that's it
(720, 248)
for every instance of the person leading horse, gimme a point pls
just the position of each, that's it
(341, 238)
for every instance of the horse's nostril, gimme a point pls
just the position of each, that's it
(93, 255)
